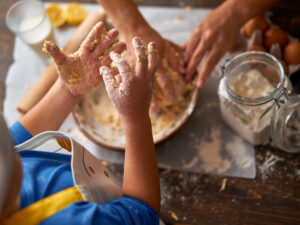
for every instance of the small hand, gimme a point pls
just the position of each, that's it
(79, 71)
(213, 37)
(165, 49)
(131, 92)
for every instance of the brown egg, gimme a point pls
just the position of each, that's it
(291, 53)
(256, 23)
(275, 35)
(256, 48)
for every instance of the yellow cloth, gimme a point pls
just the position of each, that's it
(45, 208)
(66, 144)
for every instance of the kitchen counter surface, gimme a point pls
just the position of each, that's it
(273, 197)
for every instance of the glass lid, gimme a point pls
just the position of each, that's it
(253, 78)
(285, 127)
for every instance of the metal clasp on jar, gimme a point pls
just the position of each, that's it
(277, 101)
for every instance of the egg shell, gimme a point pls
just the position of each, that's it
(256, 23)
(275, 35)
(291, 53)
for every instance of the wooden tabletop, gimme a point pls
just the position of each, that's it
(273, 197)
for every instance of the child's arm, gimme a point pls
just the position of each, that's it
(78, 73)
(131, 96)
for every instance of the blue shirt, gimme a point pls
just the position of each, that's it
(46, 173)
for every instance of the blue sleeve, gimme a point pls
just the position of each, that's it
(19, 133)
(122, 211)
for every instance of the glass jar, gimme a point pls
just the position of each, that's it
(251, 94)
(285, 125)
(28, 20)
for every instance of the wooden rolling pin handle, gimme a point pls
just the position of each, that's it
(40, 88)
(49, 76)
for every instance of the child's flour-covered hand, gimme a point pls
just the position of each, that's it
(131, 91)
(80, 71)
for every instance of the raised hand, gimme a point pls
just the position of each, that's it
(165, 49)
(80, 71)
(131, 91)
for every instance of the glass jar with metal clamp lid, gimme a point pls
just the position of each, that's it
(255, 100)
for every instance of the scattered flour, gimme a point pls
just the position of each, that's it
(192, 163)
(240, 153)
(211, 156)
(268, 166)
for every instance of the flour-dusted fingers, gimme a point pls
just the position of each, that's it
(192, 44)
(141, 64)
(208, 66)
(165, 84)
(195, 60)
(109, 80)
(106, 41)
(113, 71)
(119, 48)
(93, 38)
(152, 59)
(58, 56)
(122, 65)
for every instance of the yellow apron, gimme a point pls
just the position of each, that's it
(45, 208)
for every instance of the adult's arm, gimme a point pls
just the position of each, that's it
(124, 14)
(217, 34)
(128, 20)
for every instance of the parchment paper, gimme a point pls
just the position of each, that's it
(203, 145)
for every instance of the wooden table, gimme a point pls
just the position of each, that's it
(272, 198)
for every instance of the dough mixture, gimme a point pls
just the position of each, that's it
(98, 117)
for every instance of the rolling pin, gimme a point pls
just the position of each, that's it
(49, 76)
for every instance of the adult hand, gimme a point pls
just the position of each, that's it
(131, 93)
(213, 37)
(80, 71)
(165, 49)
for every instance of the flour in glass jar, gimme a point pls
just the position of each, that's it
(247, 121)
